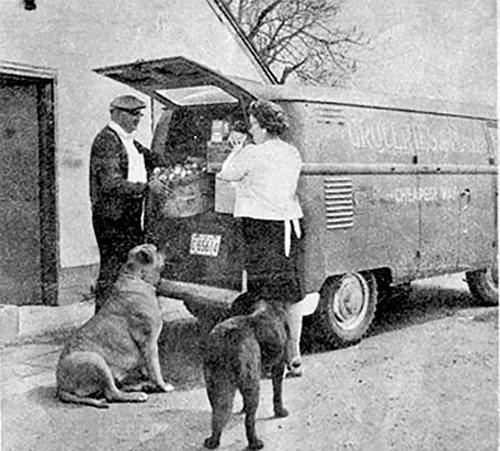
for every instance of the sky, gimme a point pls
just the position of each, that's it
(444, 49)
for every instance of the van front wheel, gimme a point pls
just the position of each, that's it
(483, 284)
(347, 307)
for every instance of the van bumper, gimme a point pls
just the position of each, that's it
(308, 305)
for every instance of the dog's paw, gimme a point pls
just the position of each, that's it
(256, 444)
(137, 397)
(281, 413)
(102, 404)
(211, 443)
(166, 387)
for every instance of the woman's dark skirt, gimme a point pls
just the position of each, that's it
(271, 274)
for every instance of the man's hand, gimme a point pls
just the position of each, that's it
(158, 187)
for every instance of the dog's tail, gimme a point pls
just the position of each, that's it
(65, 396)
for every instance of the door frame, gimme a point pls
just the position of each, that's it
(45, 81)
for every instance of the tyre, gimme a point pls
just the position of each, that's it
(483, 284)
(347, 308)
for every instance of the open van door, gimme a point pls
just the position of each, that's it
(180, 82)
(202, 246)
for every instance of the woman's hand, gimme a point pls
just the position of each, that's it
(236, 140)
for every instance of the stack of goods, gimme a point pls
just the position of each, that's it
(191, 187)
(218, 148)
(217, 152)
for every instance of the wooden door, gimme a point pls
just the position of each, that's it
(24, 230)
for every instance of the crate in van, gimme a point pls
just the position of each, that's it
(191, 191)
(392, 191)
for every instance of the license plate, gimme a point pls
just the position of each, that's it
(203, 244)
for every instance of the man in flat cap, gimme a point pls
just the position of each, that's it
(120, 168)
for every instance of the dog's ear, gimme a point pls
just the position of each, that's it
(244, 304)
(259, 309)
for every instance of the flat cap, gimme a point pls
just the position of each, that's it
(128, 103)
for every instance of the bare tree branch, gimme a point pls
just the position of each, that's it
(288, 70)
(300, 38)
(261, 17)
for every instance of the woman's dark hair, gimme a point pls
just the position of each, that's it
(240, 126)
(270, 116)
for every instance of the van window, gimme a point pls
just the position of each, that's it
(197, 95)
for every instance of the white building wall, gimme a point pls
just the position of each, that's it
(74, 37)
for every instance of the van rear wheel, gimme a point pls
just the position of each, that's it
(483, 284)
(347, 307)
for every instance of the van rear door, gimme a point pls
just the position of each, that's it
(203, 248)
(180, 82)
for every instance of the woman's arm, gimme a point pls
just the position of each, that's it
(235, 167)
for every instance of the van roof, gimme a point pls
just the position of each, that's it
(383, 101)
(181, 82)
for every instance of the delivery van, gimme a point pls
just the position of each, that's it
(392, 191)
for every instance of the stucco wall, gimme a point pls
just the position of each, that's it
(74, 37)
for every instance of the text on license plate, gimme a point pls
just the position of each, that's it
(203, 244)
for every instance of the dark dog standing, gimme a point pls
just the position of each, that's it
(234, 351)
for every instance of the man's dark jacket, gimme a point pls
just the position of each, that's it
(111, 194)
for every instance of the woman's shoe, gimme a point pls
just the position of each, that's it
(295, 369)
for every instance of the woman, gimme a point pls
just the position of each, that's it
(266, 175)
(239, 135)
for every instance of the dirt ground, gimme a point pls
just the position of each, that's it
(425, 378)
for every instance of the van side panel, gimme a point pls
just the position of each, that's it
(411, 192)
(348, 165)
(314, 256)
(477, 217)
(457, 208)
(385, 232)
(478, 204)
(311, 199)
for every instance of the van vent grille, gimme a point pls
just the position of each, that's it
(329, 115)
(338, 202)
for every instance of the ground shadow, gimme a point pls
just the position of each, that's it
(400, 308)
(418, 305)
(45, 396)
(186, 432)
(181, 355)
(181, 341)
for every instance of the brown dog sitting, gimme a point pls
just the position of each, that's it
(232, 360)
(118, 341)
